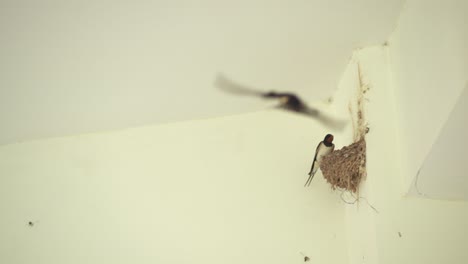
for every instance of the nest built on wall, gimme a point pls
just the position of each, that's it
(346, 167)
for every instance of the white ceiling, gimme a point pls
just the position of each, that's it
(75, 67)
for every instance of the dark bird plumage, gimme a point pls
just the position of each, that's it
(287, 101)
(325, 147)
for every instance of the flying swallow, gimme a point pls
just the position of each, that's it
(287, 101)
(325, 147)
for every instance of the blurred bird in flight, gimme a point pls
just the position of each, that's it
(286, 100)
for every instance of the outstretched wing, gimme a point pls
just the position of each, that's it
(225, 84)
(288, 101)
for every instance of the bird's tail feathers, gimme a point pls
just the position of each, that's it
(309, 180)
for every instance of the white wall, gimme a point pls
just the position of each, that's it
(405, 230)
(230, 190)
(225, 190)
(360, 225)
(429, 58)
(414, 85)
(443, 174)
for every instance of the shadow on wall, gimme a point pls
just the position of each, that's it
(442, 174)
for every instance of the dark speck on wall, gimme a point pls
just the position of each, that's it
(306, 258)
(32, 223)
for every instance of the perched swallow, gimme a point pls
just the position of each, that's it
(287, 101)
(325, 147)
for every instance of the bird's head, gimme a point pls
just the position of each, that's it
(328, 138)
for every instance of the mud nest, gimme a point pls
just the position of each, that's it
(344, 168)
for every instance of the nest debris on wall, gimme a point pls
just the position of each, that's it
(346, 167)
